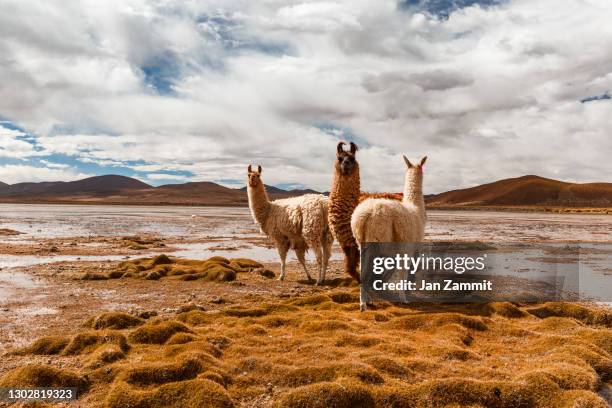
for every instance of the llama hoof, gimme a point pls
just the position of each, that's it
(319, 283)
(362, 307)
(310, 280)
(281, 278)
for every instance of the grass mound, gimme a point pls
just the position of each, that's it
(114, 320)
(576, 311)
(42, 376)
(246, 312)
(157, 332)
(139, 243)
(326, 395)
(181, 338)
(196, 317)
(86, 342)
(314, 374)
(216, 269)
(244, 264)
(7, 231)
(162, 373)
(506, 309)
(45, 345)
(105, 355)
(423, 321)
(198, 393)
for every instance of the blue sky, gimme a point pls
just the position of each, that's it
(176, 92)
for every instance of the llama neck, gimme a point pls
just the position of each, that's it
(413, 192)
(259, 204)
(346, 188)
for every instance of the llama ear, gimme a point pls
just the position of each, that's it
(353, 148)
(259, 169)
(410, 165)
(249, 169)
(340, 147)
(423, 160)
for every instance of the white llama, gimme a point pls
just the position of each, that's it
(387, 220)
(298, 223)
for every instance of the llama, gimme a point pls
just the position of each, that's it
(298, 223)
(390, 220)
(343, 198)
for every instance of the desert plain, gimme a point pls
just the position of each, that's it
(146, 306)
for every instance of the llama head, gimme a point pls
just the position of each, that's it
(254, 177)
(415, 171)
(346, 162)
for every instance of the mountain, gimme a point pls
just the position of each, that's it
(527, 191)
(99, 185)
(114, 189)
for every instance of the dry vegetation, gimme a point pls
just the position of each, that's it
(6, 231)
(217, 268)
(318, 350)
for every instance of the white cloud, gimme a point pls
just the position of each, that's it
(169, 177)
(12, 147)
(11, 174)
(488, 93)
(53, 165)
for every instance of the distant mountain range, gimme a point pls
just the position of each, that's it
(527, 191)
(112, 189)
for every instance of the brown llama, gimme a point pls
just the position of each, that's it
(343, 198)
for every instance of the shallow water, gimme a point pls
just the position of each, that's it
(50, 220)
(11, 280)
(38, 221)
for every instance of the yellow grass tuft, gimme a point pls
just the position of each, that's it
(86, 342)
(157, 332)
(45, 345)
(42, 376)
(114, 320)
(198, 393)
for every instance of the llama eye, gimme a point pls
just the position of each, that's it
(339, 159)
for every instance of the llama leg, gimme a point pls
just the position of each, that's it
(326, 247)
(363, 299)
(319, 255)
(351, 260)
(300, 252)
(283, 248)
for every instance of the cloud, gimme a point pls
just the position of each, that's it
(487, 89)
(13, 146)
(12, 174)
(167, 177)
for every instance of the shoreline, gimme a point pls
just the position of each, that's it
(510, 209)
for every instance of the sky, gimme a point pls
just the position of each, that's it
(177, 91)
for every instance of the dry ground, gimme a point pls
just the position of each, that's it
(258, 342)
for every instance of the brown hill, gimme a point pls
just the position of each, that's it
(527, 191)
(113, 189)
(99, 185)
